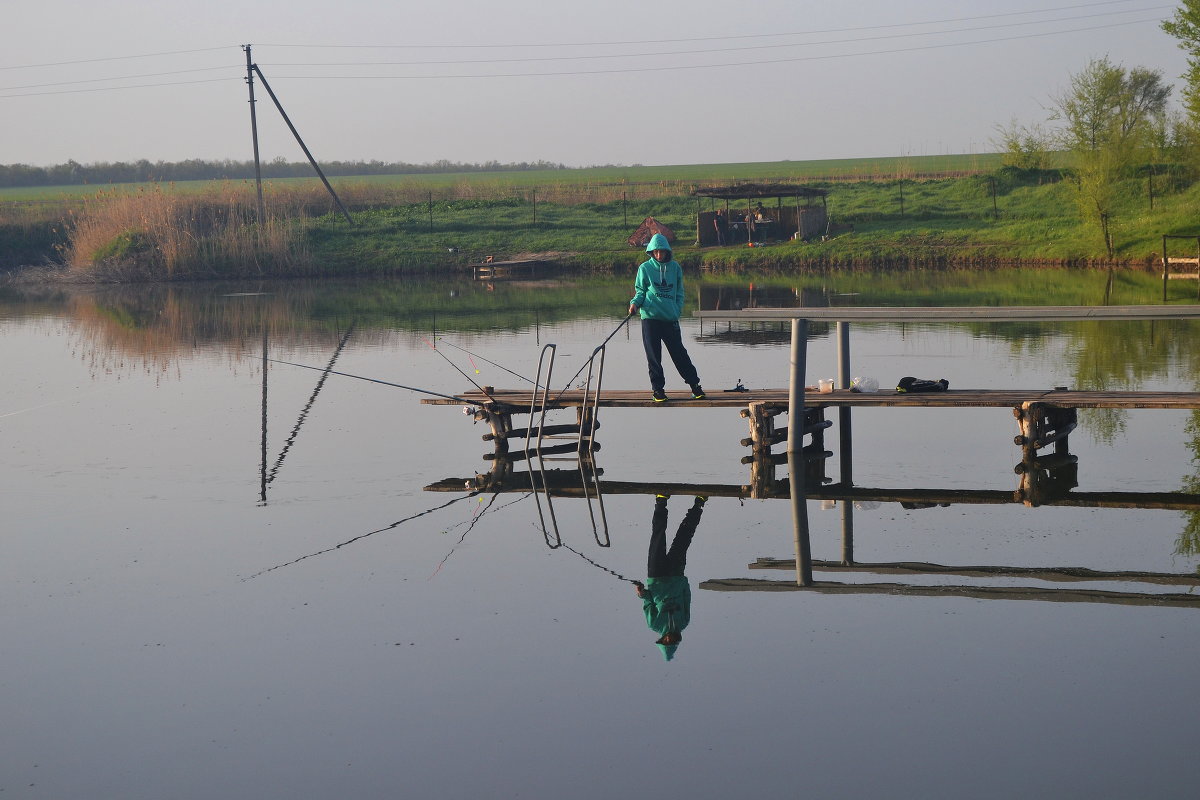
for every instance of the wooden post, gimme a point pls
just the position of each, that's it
(501, 424)
(800, 537)
(796, 386)
(843, 354)
(847, 533)
(1165, 266)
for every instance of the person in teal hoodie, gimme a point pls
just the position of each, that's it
(658, 299)
(666, 594)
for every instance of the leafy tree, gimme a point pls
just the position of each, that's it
(1024, 148)
(1185, 26)
(1110, 118)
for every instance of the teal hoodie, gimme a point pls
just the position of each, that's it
(659, 285)
(667, 604)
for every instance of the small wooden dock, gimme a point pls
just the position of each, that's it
(502, 270)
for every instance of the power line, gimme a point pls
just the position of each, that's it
(705, 38)
(118, 88)
(708, 50)
(116, 78)
(676, 68)
(566, 73)
(115, 58)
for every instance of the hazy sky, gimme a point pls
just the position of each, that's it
(650, 82)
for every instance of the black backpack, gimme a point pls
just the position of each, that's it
(911, 384)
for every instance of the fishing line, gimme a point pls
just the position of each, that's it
(395, 524)
(376, 380)
(287, 445)
(593, 355)
(474, 521)
(460, 372)
(493, 363)
(600, 566)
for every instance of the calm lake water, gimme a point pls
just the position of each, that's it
(182, 617)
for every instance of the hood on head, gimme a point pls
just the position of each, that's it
(658, 242)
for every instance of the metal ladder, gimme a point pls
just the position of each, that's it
(584, 454)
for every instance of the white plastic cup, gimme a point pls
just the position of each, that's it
(825, 385)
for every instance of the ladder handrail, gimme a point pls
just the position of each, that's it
(587, 466)
(545, 489)
(590, 411)
(533, 398)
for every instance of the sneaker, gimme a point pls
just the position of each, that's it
(659, 396)
(697, 392)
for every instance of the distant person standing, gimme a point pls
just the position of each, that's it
(658, 298)
(719, 226)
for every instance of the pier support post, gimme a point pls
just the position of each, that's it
(800, 536)
(796, 386)
(843, 354)
(500, 423)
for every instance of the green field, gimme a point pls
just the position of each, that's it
(834, 169)
(932, 212)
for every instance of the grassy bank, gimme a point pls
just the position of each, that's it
(581, 219)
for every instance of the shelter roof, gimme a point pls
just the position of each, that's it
(741, 191)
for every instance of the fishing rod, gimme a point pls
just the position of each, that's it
(361, 536)
(460, 372)
(376, 380)
(493, 363)
(597, 349)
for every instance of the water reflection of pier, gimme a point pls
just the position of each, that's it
(1043, 480)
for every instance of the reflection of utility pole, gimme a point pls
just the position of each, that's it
(262, 491)
(254, 131)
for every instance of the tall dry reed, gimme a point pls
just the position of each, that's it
(158, 232)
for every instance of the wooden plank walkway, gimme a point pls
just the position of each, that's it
(955, 313)
(520, 399)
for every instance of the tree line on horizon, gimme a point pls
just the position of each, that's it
(72, 173)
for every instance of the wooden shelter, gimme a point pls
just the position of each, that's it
(746, 219)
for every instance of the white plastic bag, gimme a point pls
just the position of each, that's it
(864, 385)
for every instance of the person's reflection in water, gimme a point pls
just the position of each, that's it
(666, 595)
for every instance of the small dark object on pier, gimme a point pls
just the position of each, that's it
(911, 384)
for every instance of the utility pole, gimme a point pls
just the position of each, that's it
(254, 131)
(300, 141)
